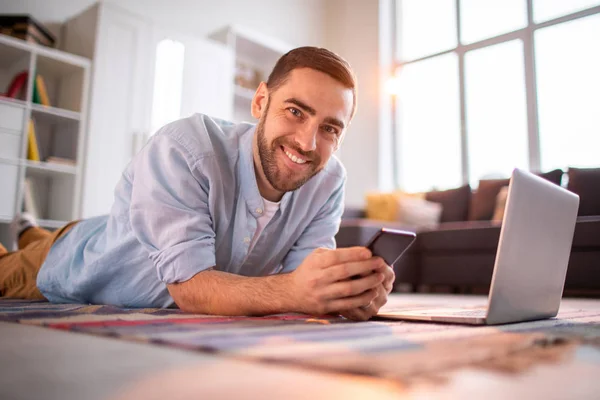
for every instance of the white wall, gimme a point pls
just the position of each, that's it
(298, 22)
(354, 34)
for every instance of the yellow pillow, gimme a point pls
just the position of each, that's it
(500, 205)
(385, 206)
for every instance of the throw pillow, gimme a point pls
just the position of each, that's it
(418, 212)
(455, 203)
(384, 205)
(586, 183)
(500, 205)
(554, 176)
(483, 201)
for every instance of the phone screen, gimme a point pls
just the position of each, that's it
(390, 244)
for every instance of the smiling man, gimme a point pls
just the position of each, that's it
(221, 218)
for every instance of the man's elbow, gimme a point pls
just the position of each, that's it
(192, 296)
(186, 299)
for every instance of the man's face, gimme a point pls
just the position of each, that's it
(301, 125)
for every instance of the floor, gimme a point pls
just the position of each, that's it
(38, 363)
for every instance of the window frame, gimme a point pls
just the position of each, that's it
(526, 35)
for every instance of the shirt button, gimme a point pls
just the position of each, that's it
(259, 210)
(246, 240)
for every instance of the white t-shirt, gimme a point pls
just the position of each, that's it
(262, 221)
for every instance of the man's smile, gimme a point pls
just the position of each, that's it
(293, 159)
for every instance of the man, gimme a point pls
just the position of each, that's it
(221, 218)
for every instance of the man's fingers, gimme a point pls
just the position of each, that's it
(366, 312)
(380, 300)
(390, 277)
(388, 272)
(350, 303)
(344, 271)
(343, 255)
(388, 286)
(357, 314)
(354, 287)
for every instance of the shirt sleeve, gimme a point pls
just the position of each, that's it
(320, 232)
(169, 210)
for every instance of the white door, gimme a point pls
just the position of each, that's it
(143, 78)
(208, 80)
(190, 75)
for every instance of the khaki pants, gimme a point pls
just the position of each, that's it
(19, 269)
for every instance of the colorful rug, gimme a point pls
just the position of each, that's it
(389, 349)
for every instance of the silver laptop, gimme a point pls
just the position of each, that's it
(531, 261)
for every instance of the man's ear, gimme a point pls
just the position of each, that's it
(260, 100)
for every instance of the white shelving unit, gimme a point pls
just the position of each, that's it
(252, 51)
(60, 131)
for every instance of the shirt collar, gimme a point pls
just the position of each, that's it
(247, 175)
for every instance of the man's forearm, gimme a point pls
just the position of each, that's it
(222, 293)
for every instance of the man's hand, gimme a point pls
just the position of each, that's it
(322, 284)
(365, 313)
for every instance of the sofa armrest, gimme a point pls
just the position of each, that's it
(353, 213)
(358, 231)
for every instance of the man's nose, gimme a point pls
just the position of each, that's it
(306, 138)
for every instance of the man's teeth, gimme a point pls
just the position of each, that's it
(294, 158)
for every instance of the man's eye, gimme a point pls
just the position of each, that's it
(295, 112)
(330, 129)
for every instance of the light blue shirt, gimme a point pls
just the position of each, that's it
(188, 202)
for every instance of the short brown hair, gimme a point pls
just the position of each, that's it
(318, 59)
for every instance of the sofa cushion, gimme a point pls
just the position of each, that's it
(353, 212)
(483, 236)
(586, 183)
(554, 176)
(474, 236)
(500, 205)
(455, 203)
(483, 202)
(484, 199)
(587, 232)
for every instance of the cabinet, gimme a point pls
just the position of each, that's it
(53, 179)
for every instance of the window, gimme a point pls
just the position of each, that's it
(483, 19)
(430, 87)
(424, 32)
(544, 10)
(484, 87)
(569, 93)
(496, 110)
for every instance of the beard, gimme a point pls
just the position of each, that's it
(282, 179)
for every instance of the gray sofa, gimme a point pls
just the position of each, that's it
(458, 256)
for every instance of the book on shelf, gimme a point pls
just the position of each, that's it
(33, 148)
(31, 200)
(61, 161)
(35, 98)
(16, 89)
(40, 92)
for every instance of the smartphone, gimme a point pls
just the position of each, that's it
(390, 244)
